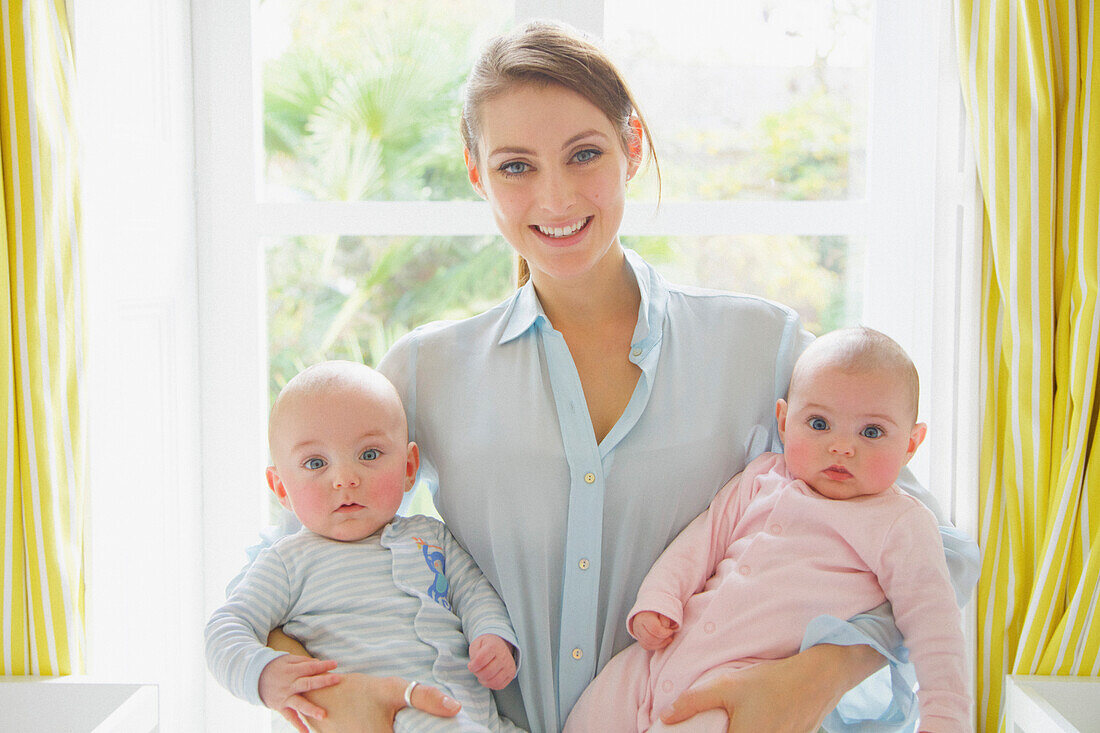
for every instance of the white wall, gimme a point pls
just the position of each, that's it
(144, 607)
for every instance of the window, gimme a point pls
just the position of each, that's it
(796, 158)
(360, 102)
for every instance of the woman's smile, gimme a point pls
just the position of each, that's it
(562, 236)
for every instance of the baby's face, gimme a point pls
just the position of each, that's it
(848, 434)
(342, 460)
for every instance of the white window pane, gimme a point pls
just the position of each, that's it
(755, 99)
(331, 297)
(361, 97)
(820, 277)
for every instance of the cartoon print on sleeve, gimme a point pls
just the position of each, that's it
(437, 563)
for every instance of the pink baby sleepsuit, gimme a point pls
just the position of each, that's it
(769, 555)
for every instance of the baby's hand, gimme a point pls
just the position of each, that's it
(492, 662)
(653, 630)
(285, 678)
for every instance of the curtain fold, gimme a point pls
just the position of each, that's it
(1031, 82)
(42, 456)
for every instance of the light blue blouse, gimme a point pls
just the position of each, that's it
(565, 528)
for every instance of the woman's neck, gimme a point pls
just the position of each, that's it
(607, 295)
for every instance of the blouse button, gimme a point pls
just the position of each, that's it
(590, 478)
(708, 627)
(775, 529)
(744, 570)
(577, 654)
(583, 563)
(667, 685)
(637, 352)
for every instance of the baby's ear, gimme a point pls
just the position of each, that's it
(412, 465)
(916, 437)
(276, 485)
(781, 417)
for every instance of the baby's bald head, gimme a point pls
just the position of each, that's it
(855, 350)
(331, 377)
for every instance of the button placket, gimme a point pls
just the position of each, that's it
(584, 525)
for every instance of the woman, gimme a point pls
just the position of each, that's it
(575, 429)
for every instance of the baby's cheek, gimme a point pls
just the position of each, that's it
(884, 471)
(393, 484)
(797, 459)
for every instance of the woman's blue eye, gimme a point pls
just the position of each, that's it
(370, 454)
(587, 156)
(515, 168)
(818, 423)
(314, 463)
(872, 432)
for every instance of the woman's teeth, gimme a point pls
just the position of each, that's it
(563, 231)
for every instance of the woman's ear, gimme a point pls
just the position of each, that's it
(472, 172)
(634, 146)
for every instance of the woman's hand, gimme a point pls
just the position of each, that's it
(365, 704)
(360, 703)
(791, 695)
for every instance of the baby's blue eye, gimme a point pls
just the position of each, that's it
(370, 454)
(314, 463)
(818, 423)
(872, 432)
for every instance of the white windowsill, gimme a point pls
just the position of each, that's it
(77, 705)
(1052, 704)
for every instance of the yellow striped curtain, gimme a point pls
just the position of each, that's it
(1031, 79)
(42, 458)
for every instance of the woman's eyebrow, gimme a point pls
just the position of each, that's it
(514, 150)
(508, 150)
(581, 136)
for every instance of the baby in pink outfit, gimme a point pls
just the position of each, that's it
(818, 530)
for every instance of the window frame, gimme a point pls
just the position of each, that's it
(925, 206)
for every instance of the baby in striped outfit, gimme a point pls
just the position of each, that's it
(378, 593)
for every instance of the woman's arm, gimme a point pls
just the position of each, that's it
(362, 703)
(764, 697)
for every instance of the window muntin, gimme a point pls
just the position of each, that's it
(361, 100)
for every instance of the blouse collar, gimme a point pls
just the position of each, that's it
(525, 311)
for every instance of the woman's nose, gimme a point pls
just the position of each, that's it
(556, 195)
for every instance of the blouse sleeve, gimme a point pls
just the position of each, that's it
(399, 366)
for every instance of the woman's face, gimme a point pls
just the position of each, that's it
(553, 169)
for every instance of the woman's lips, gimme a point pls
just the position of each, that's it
(562, 236)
